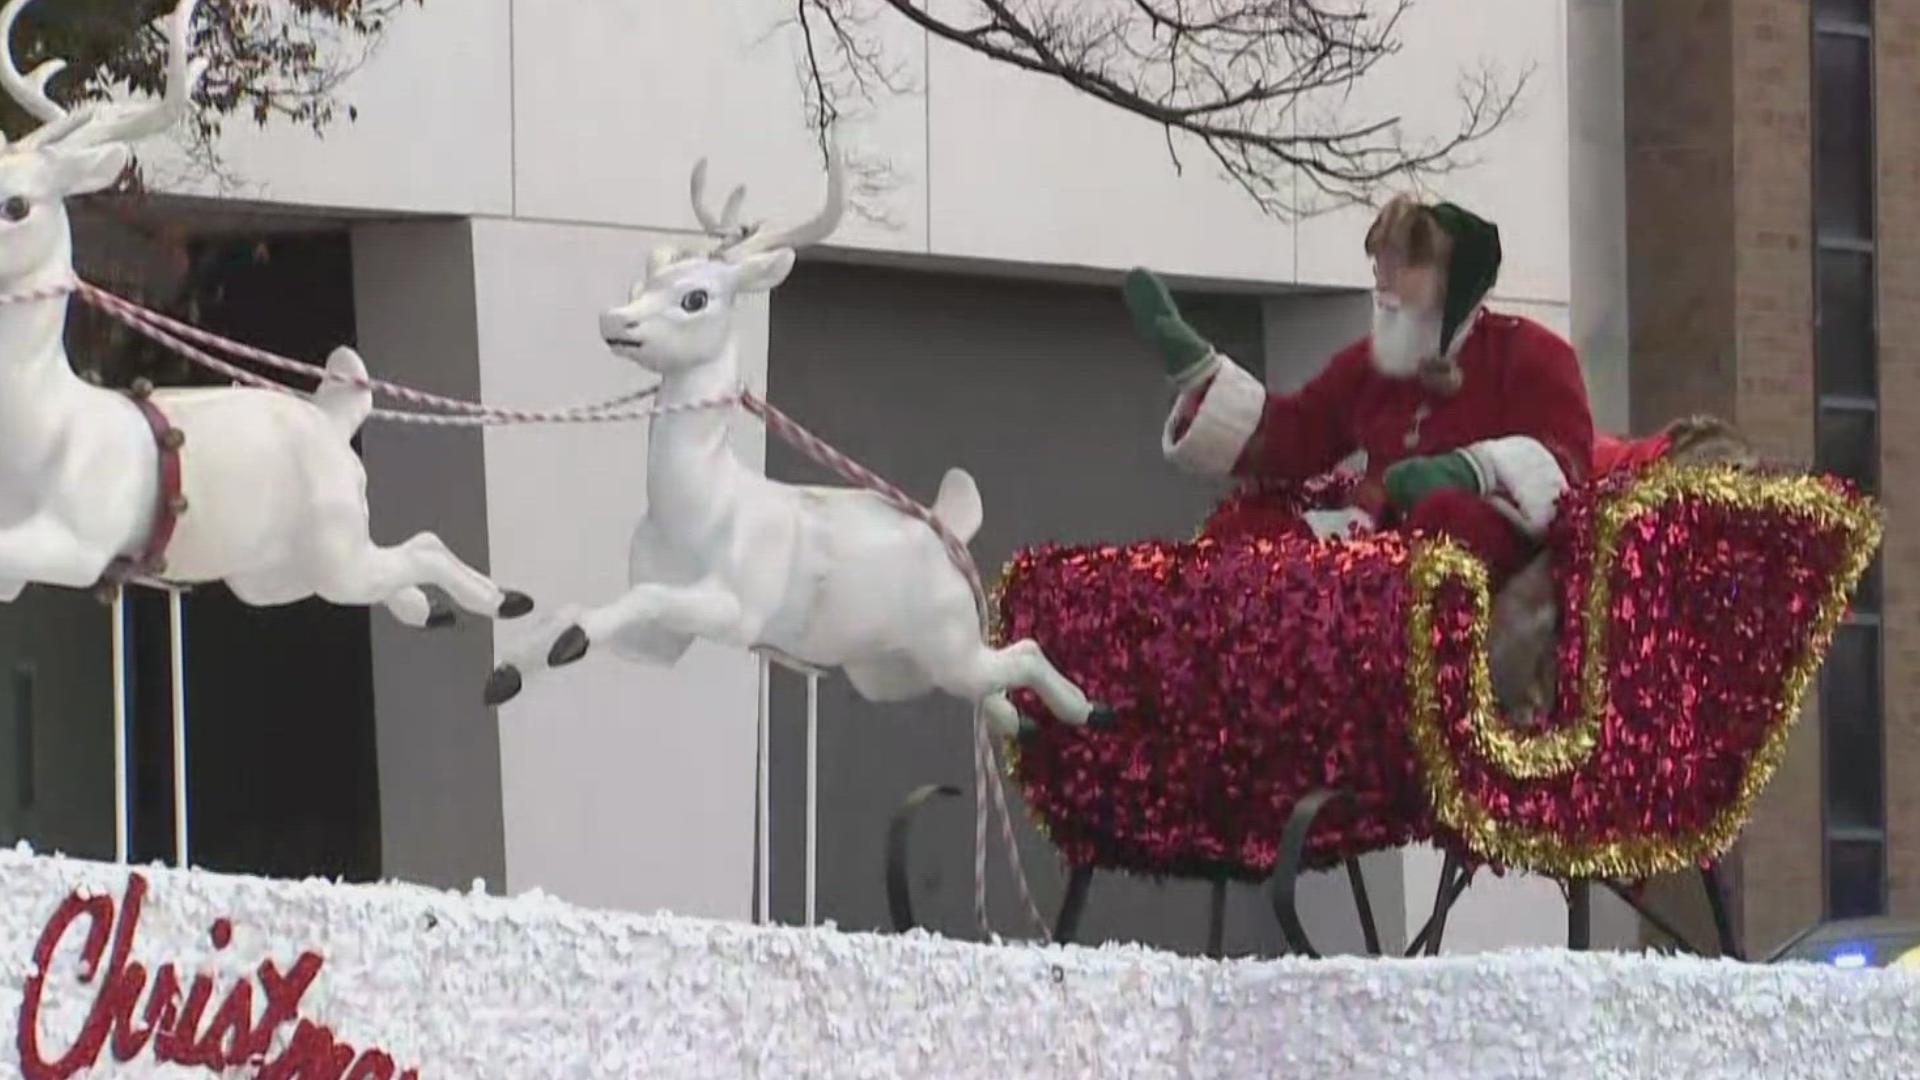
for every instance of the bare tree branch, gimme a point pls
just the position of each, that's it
(847, 70)
(282, 59)
(1263, 85)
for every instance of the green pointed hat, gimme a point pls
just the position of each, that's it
(1472, 269)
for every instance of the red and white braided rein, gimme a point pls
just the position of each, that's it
(187, 340)
(182, 337)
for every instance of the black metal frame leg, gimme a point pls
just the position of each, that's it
(1284, 884)
(1726, 941)
(1580, 914)
(1067, 923)
(1454, 878)
(1716, 885)
(1217, 919)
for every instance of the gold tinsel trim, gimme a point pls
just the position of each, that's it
(1514, 844)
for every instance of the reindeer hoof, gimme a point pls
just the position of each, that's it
(571, 646)
(439, 617)
(503, 685)
(1102, 716)
(516, 604)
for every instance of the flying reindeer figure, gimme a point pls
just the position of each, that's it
(815, 577)
(99, 487)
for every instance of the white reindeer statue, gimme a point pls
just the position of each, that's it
(815, 577)
(96, 485)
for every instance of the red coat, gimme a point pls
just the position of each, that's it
(1517, 378)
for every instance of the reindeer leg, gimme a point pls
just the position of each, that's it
(640, 620)
(527, 654)
(410, 606)
(413, 607)
(985, 671)
(468, 587)
(1002, 717)
(366, 574)
(1061, 696)
(702, 611)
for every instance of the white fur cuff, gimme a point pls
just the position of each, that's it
(1521, 469)
(1229, 415)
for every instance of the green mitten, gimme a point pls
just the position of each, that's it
(1157, 319)
(1409, 481)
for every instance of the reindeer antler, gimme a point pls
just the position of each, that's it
(811, 231)
(119, 123)
(28, 90)
(736, 240)
(727, 223)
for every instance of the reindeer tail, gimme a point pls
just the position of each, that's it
(345, 403)
(958, 504)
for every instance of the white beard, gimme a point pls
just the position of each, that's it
(1404, 339)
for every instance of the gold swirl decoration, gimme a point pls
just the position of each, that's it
(1565, 747)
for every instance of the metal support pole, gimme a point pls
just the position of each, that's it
(122, 826)
(813, 791)
(176, 632)
(763, 781)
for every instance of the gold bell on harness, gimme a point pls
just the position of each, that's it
(174, 439)
(178, 505)
(142, 387)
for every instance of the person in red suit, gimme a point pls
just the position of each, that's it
(1472, 422)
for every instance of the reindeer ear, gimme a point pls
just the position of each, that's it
(82, 172)
(762, 273)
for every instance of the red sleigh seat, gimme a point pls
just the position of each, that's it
(1254, 665)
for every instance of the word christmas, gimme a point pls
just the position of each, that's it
(171, 1028)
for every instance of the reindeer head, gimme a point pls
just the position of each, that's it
(680, 315)
(72, 153)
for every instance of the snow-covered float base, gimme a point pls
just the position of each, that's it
(361, 983)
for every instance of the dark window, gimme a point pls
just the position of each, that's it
(1850, 706)
(1845, 120)
(1847, 425)
(1846, 323)
(1854, 880)
(1848, 445)
(1843, 11)
(1866, 598)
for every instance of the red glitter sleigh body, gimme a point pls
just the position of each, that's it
(1254, 665)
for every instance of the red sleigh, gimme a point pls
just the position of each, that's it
(1285, 704)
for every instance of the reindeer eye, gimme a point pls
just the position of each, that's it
(694, 301)
(15, 208)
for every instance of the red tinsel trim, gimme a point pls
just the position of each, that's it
(1254, 665)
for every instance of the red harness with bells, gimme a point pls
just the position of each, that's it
(150, 563)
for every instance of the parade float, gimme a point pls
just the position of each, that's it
(1244, 704)
(116, 971)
